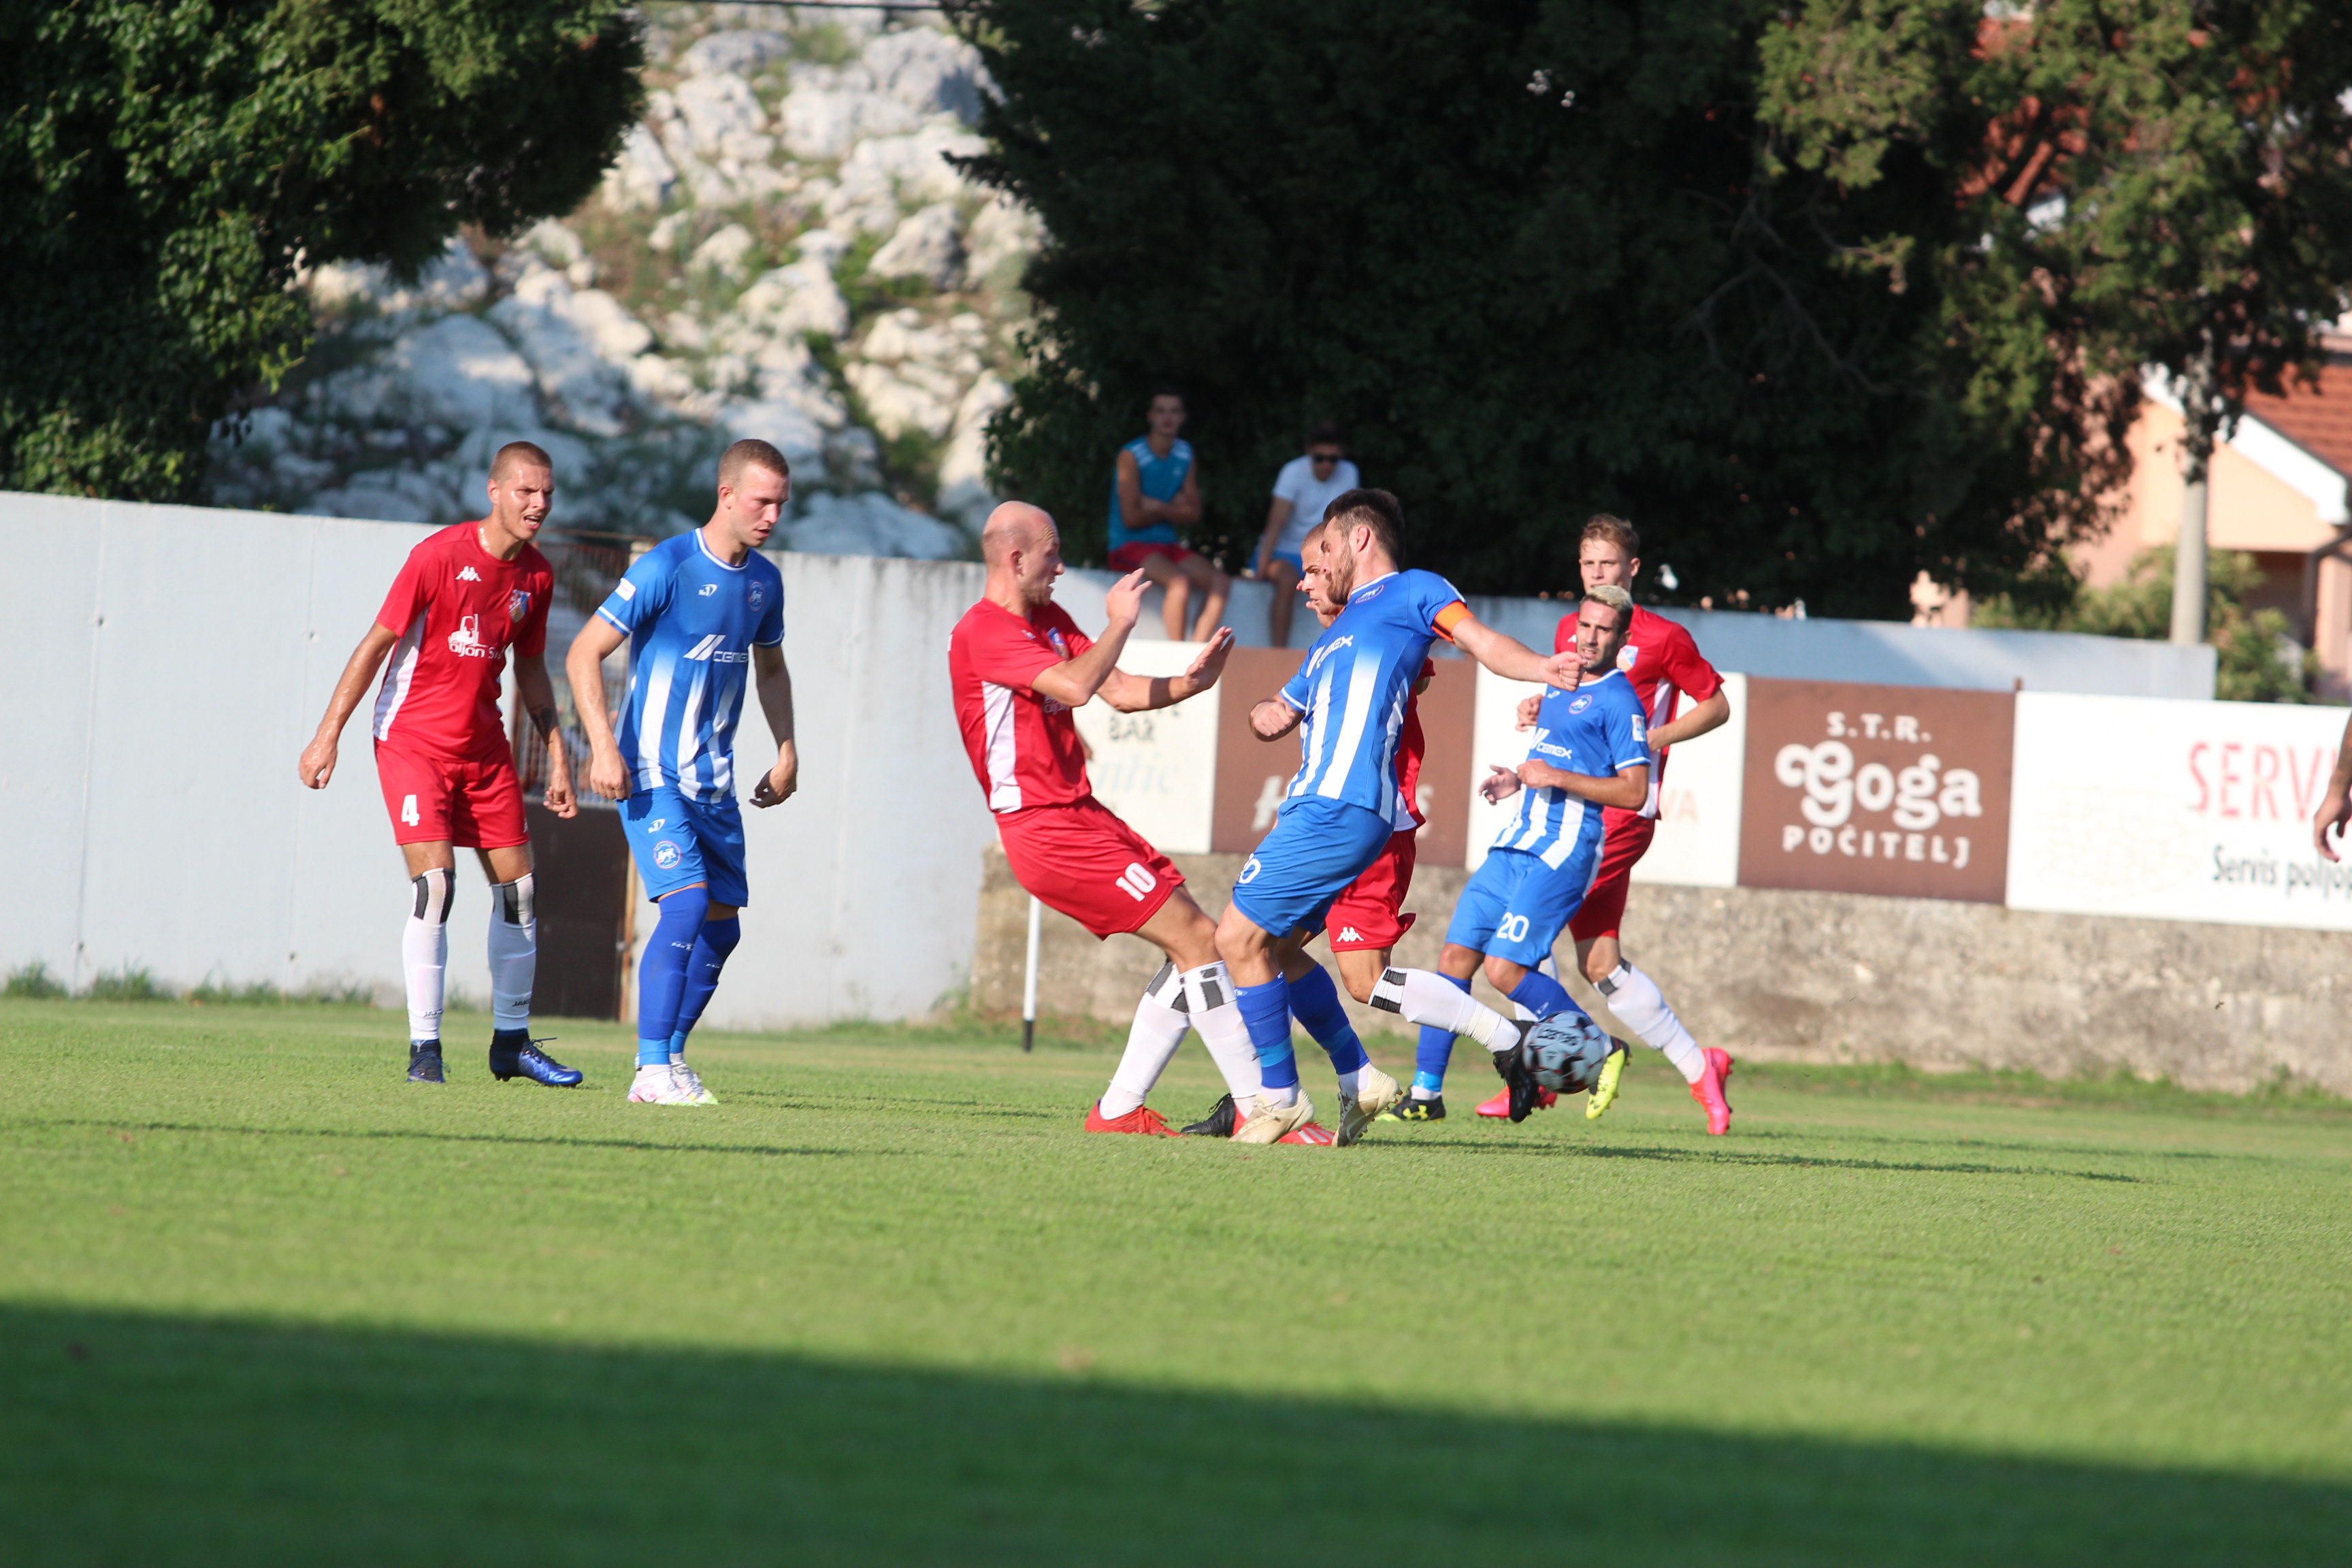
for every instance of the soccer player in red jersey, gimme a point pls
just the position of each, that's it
(464, 596)
(1662, 661)
(1019, 665)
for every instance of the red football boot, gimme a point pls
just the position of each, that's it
(1313, 1132)
(1709, 1092)
(1142, 1119)
(1500, 1106)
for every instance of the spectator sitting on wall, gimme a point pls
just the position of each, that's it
(1304, 488)
(1155, 490)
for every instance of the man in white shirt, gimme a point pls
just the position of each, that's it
(1305, 487)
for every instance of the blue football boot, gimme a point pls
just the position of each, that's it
(514, 1054)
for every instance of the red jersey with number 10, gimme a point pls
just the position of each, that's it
(1024, 746)
(457, 608)
(1663, 662)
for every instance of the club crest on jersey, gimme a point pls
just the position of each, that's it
(466, 642)
(758, 595)
(666, 856)
(1054, 636)
(1579, 704)
(1626, 655)
(518, 603)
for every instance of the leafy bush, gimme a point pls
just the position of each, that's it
(131, 983)
(33, 980)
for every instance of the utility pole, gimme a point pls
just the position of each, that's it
(2199, 417)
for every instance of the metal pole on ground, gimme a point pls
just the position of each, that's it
(1029, 979)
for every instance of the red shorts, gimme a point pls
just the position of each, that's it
(474, 805)
(1625, 838)
(1081, 859)
(1128, 557)
(1364, 918)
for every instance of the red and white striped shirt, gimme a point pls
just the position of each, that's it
(1024, 747)
(1663, 662)
(457, 608)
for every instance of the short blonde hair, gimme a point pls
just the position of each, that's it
(1613, 596)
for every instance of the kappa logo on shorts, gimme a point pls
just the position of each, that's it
(667, 856)
(1350, 934)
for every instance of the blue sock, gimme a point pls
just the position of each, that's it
(1541, 994)
(1315, 1002)
(717, 939)
(661, 979)
(1265, 1010)
(1436, 1050)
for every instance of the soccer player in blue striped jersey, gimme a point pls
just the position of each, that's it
(1592, 749)
(1351, 694)
(703, 614)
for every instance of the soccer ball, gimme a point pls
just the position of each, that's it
(1565, 1052)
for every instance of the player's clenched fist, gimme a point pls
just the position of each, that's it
(318, 765)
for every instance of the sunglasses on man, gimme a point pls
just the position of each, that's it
(1323, 459)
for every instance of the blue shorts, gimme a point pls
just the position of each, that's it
(1317, 849)
(1297, 562)
(678, 842)
(1514, 907)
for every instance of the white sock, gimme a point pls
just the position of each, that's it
(1286, 1097)
(1348, 1084)
(514, 952)
(1209, 1004)
(1635, 997)
(424, 951)
(1152, 1041)
(1426, 999)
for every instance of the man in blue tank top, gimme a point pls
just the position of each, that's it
(1155, 490)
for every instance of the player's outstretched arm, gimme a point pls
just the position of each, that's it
(1074, 682)
(583, 666)
(537, 694)
(2335, 805)
(775, 684)
(1627, 791)
(1511, 658)
(1138, 694)
(317, 763)
(1702, 717)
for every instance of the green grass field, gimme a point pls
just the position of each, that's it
(261, 1300)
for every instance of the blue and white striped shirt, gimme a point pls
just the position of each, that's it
(1595, 730)
(1354, 685)
(692, 622)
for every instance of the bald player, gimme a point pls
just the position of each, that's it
(1020, 666)
(465, 597)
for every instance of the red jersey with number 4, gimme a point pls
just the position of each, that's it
(1024, 747)
(457, 608)
(1662, 661)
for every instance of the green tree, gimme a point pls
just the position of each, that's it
(168, 166)
(2254, 661)
(1760, 275)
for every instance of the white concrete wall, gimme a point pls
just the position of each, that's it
(167, 664)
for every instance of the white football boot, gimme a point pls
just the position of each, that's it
(658, 1085)
(1267, 1123)
(691, 1081)
(1375, 1092)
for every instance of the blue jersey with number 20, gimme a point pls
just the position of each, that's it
(1353, 687)
(692, 622)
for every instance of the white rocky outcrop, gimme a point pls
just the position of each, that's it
(634, 338)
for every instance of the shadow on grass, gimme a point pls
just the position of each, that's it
(163, 1440)
(427, 1135)
(1717, 1155)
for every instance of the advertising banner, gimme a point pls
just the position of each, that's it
(1899, 790)
(2174, 810)
(1157, 770)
